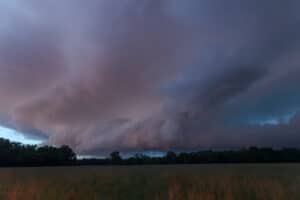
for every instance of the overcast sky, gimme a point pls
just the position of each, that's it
(136, 75)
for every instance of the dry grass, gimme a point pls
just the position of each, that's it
(198, 182)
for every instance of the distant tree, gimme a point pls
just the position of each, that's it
(115, 157)
(67, 153)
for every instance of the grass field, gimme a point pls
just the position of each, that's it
(190, 182)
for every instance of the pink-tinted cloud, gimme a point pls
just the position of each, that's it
(142, 74)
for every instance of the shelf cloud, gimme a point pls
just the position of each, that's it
(151, 75)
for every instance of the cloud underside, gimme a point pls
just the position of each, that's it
(151, 75)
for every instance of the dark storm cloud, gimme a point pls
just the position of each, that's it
(142, 74)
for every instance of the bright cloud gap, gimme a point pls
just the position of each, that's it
(16, 136)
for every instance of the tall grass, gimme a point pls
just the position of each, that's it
(198, 182)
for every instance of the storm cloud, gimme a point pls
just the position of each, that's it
(134, 75)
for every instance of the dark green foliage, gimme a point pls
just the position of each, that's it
(15, 154)
(115, 157)
(249, 155)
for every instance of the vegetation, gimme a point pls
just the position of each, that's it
(15, 154)
(172, 182)
(249, 155)
(169, 182)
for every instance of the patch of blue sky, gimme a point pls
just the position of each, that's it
(15, 136)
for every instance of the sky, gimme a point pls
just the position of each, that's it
(14, 136)
(144, 75)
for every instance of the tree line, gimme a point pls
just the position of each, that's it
(247, 155)
(16, 154)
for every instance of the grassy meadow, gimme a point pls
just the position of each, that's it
(174, 182)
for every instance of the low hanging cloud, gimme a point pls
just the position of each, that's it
(151, 75)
